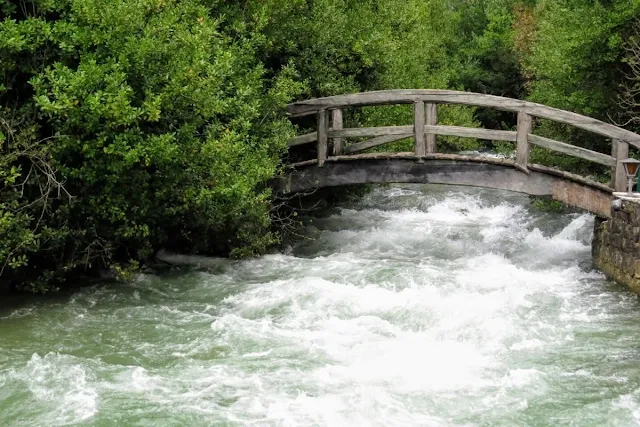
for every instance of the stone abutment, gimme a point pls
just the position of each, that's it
(616, 243)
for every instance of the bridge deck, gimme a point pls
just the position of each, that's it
(449, 169)
(458, 158)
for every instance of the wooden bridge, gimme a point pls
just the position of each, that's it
(343, 166)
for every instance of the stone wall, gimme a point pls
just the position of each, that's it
(616, 247)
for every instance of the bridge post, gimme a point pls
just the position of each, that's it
(619, 151)
(323, 127)
(432, 120)
(522, 140)
(336, 124)
(418, 128)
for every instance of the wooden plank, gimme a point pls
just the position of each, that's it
(361, 146)
(301, 164)
(570, 177)
(337, 123)
(376, 131)
(522, 140)
(418, 128)
(303, 139)
(466, 158)
(619, 151)
(479, 133)
(464, 98)
(323, 124)
(572, 150)
(432, 120)
(490, 134)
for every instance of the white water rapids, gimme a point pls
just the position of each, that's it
(417, 306)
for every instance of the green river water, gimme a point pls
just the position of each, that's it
(419, 305)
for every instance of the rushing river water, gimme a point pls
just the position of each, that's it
(417, 306)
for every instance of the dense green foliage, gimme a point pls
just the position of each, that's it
(131, 125)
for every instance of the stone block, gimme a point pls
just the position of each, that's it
(616, 245)
(616, 257)
(614, 226)
(628, 245)
(637, 269)
(628, 264)
(622, 216)
(616, 241)
(634, 210)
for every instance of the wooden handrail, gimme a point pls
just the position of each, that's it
(402, 96)
(461, 131)
(572, 150)
(425, 127)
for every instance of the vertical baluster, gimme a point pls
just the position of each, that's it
(432, 120)
(418, 128)
(522, 140)
(322, 136)
(338, 143)
(620, 151)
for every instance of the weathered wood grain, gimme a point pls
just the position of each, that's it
(432, 120)
(323, 124)
(302, 164)
(418, 128)
(376, 131)
(619, 151)
(570, 177)
(572, 150)
(370, 143)
(303, 139)
(338, 143)
(479, 133)
(488, 134)
(522, 140)
(506, 163)
(464, 98)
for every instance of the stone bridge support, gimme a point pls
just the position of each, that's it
(616, 243)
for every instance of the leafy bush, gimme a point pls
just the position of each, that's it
(132, 125)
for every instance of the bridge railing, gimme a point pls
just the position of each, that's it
(425, 128)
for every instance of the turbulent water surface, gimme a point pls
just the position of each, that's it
(417, 306)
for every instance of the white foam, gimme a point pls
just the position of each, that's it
(62, 385)
(629, 404)
(413, 308)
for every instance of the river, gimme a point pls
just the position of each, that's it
(418, 305)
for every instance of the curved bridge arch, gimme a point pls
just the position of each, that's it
(450, 169)
(342, 166)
